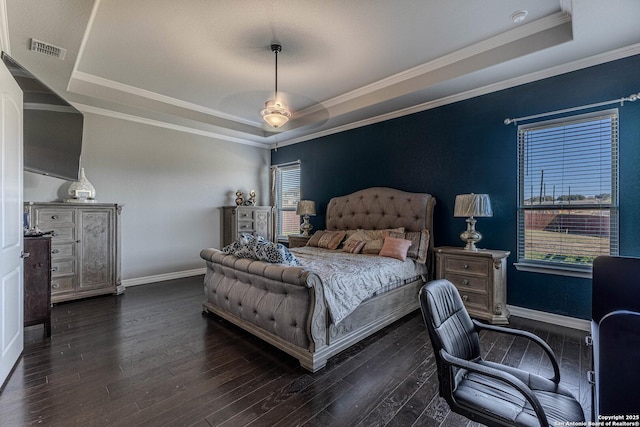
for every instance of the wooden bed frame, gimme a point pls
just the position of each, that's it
(285, 306)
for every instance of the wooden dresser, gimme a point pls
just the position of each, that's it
(481, 279)
(37, 282)
(257, 220)
(85, 247)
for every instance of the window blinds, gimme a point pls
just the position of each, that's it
(568, 189)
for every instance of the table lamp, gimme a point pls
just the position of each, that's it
(470, 206)
(306, 208)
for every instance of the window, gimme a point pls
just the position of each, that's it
(568, 190)
(287, 194)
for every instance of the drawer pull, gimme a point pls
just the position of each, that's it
(55, 285)
(465, 298)
(465, 282)
(55, 268)
(55, 251)
(54, 217)
(466, 266)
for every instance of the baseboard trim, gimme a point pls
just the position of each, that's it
(162, 277)
(556, 319)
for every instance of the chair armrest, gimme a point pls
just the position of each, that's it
(536, 339)
(501, 376)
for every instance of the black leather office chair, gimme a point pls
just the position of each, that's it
(483, 391)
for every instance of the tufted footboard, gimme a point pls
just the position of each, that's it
(280, 304)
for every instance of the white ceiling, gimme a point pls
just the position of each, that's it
(206, 66)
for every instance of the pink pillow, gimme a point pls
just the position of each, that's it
(394, 247)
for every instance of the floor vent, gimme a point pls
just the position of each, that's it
(48, 49)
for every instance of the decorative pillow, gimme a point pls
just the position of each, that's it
(313, 241)
(353, 246)
(372, 247)
(419, 245)
(331, 239)
(387, 232)
(259, 248)
(375, 239)
(394, 247)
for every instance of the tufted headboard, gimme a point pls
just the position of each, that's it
(378, 208)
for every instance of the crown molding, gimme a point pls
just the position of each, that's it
(143, 93)
(186, 129)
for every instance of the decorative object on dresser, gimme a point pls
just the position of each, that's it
(481, 279)
(37, 282)
(306, 208)
(82, 191)
(297, 240)
(470, 206)
(256, 220)
(85, 247)
(239, 198)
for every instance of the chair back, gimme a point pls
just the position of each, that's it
(449, 326)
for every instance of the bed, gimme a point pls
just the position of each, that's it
(292, 308)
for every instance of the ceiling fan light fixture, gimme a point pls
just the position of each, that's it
(275, 113)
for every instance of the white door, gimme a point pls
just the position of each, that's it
(11, 263)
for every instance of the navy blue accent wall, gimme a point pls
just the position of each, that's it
(465, 147)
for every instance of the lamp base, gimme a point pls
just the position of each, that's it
(306, 227)
(470, 235)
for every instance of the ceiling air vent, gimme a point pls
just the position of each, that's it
(48, 49)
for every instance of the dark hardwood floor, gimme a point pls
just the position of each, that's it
(149, 357)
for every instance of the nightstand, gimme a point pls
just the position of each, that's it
(480, 277)
(297, 240)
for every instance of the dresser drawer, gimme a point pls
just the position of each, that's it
(245, 226)
(477, 283)
(62, 267)
(244, 215)
(51, 217)
(63, 250)
(466, 265)
(63, 234)
(61, 284)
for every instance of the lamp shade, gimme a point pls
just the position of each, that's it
(468, 205)
(306, 207)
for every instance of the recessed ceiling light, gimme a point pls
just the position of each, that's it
(519, 15)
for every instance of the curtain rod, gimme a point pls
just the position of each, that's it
(633, 97)
(281, 165)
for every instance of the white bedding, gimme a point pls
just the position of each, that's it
(349, 279)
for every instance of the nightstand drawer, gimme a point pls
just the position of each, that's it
(466, 265)
(474, 301)
(477, 283)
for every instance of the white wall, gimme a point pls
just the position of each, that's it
(171, 184)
